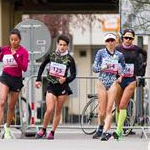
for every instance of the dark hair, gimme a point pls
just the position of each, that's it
(128, 30)
(64, 38)
(15, 31)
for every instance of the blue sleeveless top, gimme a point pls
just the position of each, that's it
(107, 78)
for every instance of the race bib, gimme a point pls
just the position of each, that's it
(109, 65)
(9, 61)
(57, 69)
(129, 70)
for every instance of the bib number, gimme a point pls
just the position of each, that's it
(9, 61)
(57, 70)
(109, 65)
(129, 70)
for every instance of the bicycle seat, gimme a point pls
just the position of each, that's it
(92, 95)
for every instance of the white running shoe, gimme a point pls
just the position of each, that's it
(7, 134)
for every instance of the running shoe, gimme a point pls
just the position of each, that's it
(7, 134)
(98, 134)
(40, 134)
(50, 136)
(105, 136)
(117, 135)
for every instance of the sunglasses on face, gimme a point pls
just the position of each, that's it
(128, 38)
(110, 40)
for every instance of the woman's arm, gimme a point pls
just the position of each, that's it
(97, 62)
(72, 75)
(22, 61)
(42, 67)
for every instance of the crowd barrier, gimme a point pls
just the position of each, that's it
(142, 99)
(71, 112)
(31, 110)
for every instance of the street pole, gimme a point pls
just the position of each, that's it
(148, 69)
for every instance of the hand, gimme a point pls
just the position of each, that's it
(119, 80)
(38, 84)
(144, 63)
(103, 67)
(62, 80)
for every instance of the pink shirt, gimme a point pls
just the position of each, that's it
(14, 64)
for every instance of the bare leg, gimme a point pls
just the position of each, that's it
(58, 108)
(112, 92)
(102, 94)
(127, 94)
(11, 106)
(117, 100)
(3, 96)
(118, 96)
(50, 101)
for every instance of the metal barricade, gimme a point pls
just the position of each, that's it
(142, 105)
(72, 108)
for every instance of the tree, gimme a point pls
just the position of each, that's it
(135, 14)
(60, 23)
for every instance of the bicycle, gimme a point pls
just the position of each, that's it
(89, 116)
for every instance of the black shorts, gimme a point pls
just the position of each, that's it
(58, 89)
(126, 81)
(14, 83)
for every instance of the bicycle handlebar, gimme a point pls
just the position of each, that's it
(92, 95)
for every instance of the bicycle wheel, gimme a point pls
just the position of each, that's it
(130, 119)
(23, 113)
(89, 117)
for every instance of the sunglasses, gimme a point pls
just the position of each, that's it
(128, 38)
(110, 40)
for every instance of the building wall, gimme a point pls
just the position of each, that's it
(82, 55)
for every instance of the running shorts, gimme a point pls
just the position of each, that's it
(126, 81)
(58, 89)
(14, 83)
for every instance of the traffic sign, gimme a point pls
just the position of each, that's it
(35, 37)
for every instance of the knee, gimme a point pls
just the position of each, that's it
(49, 110)
(2, 103)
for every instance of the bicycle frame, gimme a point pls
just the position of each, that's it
(87, 119)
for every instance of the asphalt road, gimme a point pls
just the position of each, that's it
(74, 139)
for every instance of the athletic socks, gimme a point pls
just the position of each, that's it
(121, 119)
(53, 132)
(116, 116)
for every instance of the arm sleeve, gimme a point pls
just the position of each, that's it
(42, 67)
(22, 62)
(144, 54)
(123, 65)
(97, 62)
(72, 68)
(1, 54)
